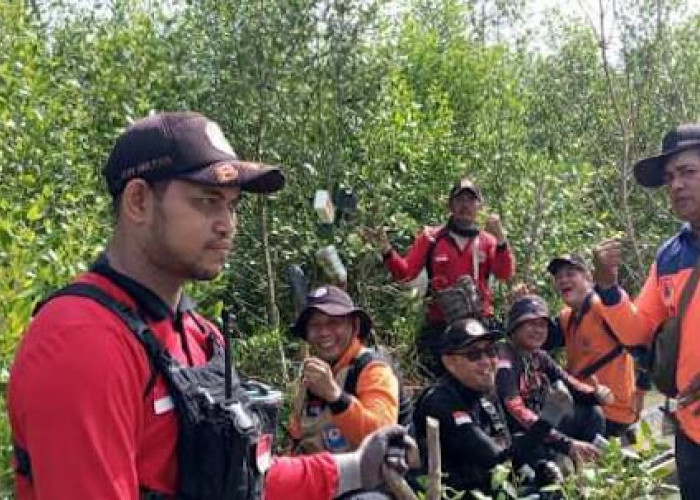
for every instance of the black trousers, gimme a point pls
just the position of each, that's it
(688, 466)
(584, 424)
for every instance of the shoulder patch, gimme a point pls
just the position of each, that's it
(504, 363)
(676, 254)
(461, 418)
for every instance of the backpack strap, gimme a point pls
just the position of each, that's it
(157, 356)
(405, 413)
(688, 292)
(442, 233)
(359, 364)
(609, 356)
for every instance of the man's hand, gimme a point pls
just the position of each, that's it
(602, 392)
(388, 447)
(582, 452)
(317, 377)
(377, 238)
(493, 225)
(607, 258)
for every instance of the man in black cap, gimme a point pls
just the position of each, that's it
(346, 389)
(121, 373)
(450, 252)
(592, 347)
(673, 274)
(474, 436)
(525, 374)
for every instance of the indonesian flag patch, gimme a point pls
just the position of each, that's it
(504, 363)
(461, 417)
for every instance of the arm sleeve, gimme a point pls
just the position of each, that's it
(536, 428)
(406, 268)
(302, 478)
(376, 404)
(81, 394)
(507, 388)
(634, 323)
(502, 262)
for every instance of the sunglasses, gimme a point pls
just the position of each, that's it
(475, 355)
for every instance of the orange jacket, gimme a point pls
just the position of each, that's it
(636, 323)
(586, 342)
(375, 405)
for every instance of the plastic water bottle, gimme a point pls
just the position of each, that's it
(330, 261)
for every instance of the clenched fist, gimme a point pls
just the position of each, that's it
(493, 225)
(317, 377)
(607, 258)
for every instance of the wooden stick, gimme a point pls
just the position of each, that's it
(434, 491)
(397, 484)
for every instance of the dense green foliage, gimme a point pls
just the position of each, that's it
(393, 105)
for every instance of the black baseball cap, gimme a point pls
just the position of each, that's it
(463, 333)
(188, 146)
(569, 259)
(526, 308)
(649, 172)
(332, 301)
(465, 184)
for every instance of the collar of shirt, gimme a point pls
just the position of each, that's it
(146, 300)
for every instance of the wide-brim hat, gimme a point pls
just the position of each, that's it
(649, 172)
(524, 309)
(569, 259)
(332, 301)
(463, 333)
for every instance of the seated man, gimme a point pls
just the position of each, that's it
(474, 436)
(525, 374)
(347, 390)
(592, 347)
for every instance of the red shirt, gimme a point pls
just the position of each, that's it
(77, 401)
(449, 263)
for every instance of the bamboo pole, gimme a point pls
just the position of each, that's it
(434, 490)
(398, 485)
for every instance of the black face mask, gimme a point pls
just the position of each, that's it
(462, 228)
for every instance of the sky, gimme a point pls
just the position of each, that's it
(589, 12)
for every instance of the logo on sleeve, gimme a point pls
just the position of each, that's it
(461, 418)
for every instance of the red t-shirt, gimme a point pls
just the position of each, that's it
(78, 404)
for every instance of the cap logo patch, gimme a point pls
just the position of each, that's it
(319, 292)
(217, 139)
(225, 173)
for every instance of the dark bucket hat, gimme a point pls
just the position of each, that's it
(569, 259)
(649, 172)
(332, 301)
(526, 308)
(463, 333)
